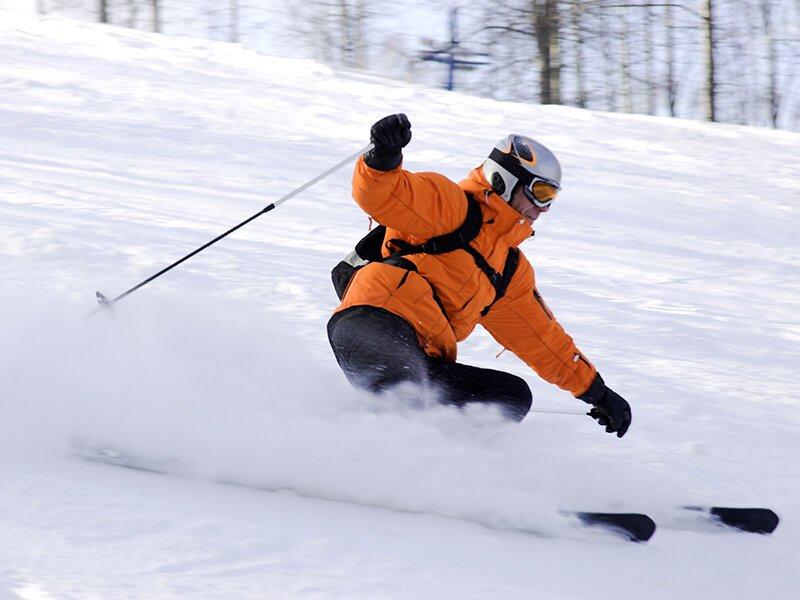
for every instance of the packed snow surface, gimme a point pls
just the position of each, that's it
(671, 257)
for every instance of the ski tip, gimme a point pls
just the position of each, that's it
(753, 520)
(634, 527)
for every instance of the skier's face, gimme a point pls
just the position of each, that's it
(529, 211)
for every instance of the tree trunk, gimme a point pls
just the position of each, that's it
(346, 29)
(360, 10)
(156, 17)
(555, 53)
(650, 60)
(773, 98)
(711, 50)
(545, 15)
(103, 11)
(233, 33)
(609, 61)
(625, 65)
(672, 87)
(580, 46)
(133, 10)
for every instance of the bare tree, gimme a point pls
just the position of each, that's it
(711, 59)
(133, 13)
(625, 63)
(773, 98)
(334, 30)
(669, 34)
(233, 29)
(156, 16)
(577, 12)
(352, 17)
(608, 58)
(529, 30)
(546, 25)
(649, 43)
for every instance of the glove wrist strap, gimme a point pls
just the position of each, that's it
(383, 162)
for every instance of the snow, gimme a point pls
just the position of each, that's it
(672, 258)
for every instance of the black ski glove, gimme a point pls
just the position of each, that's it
(611, 410)
(389, 136)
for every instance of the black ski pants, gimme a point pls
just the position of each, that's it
(377, 349)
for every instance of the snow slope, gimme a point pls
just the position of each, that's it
(672, 258)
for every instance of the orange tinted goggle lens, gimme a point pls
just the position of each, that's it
(543, 191)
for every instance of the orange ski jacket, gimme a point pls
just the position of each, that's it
(444, 298)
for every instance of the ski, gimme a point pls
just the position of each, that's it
(750, 519)
(629, 526)
(634, 527)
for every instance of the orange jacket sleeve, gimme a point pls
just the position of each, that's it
(521, 322)
(423, 205)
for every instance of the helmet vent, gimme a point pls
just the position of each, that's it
(523, 150)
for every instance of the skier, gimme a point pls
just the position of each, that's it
(445, 259)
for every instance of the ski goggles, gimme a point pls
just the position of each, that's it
(541, 192)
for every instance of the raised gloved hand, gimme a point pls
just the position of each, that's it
(389, 136)
(611, 410)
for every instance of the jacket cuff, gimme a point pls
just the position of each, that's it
(595, 392)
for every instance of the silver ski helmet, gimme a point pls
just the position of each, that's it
(520, 159)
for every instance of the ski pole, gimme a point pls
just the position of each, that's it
(107, 303)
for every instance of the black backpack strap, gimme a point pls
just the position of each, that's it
(447, 242)
(500, 282)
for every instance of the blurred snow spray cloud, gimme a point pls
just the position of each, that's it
(223, 392)
(227, 394)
